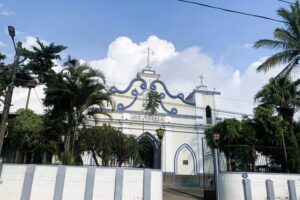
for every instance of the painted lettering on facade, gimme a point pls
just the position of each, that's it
(148, 118)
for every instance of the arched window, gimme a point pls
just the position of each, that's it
(208, 115)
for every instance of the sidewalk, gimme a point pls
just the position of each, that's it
(175, 192)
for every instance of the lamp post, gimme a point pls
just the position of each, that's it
(160, 134)
(30, 84)
(10, 88)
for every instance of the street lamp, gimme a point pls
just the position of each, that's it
(30, 84)
(160, 133)
(12, 34)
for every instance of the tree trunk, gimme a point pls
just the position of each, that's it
(289, 116)
(95, 157)
(228, 161)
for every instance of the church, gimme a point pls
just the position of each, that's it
(175, 133)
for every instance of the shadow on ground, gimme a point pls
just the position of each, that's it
(178, 192)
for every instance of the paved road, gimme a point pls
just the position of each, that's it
(171, 192)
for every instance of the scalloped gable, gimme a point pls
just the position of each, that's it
(147, 80)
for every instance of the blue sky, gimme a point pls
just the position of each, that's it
(189, 40)
(88, 27)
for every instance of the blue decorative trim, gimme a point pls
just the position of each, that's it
(172, 112)
(177, 154)
(179, 96)
(206, 92)
(121, 106)
(158, 114)
(114, 89)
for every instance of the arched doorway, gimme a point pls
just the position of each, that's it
(185, 162)
(150, 151)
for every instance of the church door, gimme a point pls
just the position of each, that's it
(150, 151)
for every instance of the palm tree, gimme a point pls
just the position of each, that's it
(286, 39)
(41, 59)
(283, 93)
(153, 101)
(76, 93)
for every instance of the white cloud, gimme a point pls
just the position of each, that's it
(248, 45)
(2, 44)
(31, 41)
(180, 70)
(35, 102)
(5, 12)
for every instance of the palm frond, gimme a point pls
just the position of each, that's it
(276, 59)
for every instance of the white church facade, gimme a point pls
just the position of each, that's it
(184, 120)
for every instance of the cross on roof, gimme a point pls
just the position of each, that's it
(149, 52)
(201, 79)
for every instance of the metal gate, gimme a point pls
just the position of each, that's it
(208, 178)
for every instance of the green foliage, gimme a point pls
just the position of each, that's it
(110, 144)
(154, 100)
(268, 127)
(283, 93)
(41, 60)
(286, 39)
(77, 92)
(27, 122)
(4, 73)
(25, 133)
(232, 132)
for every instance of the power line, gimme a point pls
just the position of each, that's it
(285, 1)
(38, 97)
(232, 11)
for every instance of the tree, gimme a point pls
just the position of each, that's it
(41, 60)
(153, 101)
(232, 133)
(109, 144)
(25, 135)
(286, 39)
(74, 94)
(283, 93)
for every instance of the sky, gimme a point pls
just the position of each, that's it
(188, 41)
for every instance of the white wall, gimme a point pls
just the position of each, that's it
(104, 182)
(231, 185)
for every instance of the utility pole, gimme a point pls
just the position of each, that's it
(31, 85)
(10, 88)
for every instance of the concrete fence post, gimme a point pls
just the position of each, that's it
(89, 183)
(292, 190)
(147, 184)
(270, 190)
(119, 183)
(27, 184)
(59, 183)
(247, 189)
